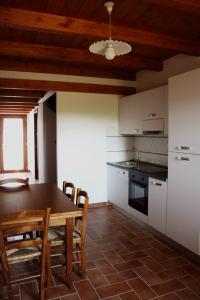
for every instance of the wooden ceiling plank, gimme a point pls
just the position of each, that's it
(185, 5)
(38, 21)
(17, 107)
(76, 55)
(17, 102)
(66, 86)
(33, 95)
(66, 69)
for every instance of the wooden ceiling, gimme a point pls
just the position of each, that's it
(19, 101)
(53, 36)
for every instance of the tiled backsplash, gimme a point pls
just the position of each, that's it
(120, 148)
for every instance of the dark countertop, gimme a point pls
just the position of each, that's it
(151, 170)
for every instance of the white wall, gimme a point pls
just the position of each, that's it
(176, 65)
(30, 143)
(82, 122)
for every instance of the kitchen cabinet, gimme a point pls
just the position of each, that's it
(144, 111)
(155, 103)
(130, 121)
(184, 112)
(183, 204)
(157, 202)
(118, 186)
(118, 189)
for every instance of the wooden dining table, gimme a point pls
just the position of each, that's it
(42, 196)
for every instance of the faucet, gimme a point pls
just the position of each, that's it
(137, 153)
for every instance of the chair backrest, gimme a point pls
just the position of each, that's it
(22, 222)
(82, 201)
(69, 186)
(13, 182)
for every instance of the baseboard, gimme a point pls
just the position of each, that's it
(99, 204)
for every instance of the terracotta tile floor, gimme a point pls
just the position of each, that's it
(124, 261)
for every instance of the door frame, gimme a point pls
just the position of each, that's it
(24, 118)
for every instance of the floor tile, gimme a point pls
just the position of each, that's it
(191, 283)
(121, 276)
(147, 275)
(129, 296)
(85, 290)
(167, 287)
(187, 294)
(97, 278)
(141, 288)
(114, 289)
(127, 265)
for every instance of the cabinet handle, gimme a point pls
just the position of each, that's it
(156, 183)
(183, 158)
(183, 148)
(152, 115)
(122, 172)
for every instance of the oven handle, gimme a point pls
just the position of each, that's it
(143, 185)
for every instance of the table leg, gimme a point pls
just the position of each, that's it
(69, 249)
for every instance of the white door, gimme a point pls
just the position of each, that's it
(183, 204)
(184, 112)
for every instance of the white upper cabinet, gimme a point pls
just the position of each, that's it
(130, 121)
(155, 103)
(184, 112)
(144, 112)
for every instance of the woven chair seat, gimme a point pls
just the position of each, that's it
(15, 255)
(56, 235)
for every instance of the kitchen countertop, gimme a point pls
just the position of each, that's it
(149, 169)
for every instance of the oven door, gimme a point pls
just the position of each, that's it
(138, 196)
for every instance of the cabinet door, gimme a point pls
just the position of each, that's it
(130, 115)
(154, 103)
(157, 202)
(118, 186)
(183, 204)
(184, 112)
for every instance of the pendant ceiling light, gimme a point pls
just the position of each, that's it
(110, 48)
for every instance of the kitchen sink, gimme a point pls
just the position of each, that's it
(128, 164)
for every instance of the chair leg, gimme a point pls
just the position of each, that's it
(6, 276)
(42, 277)
(49, 275)
(83, 264)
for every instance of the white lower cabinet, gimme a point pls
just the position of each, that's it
(183, 204)
(118, 186)
(157, 201)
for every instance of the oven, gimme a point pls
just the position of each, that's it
(138, 192)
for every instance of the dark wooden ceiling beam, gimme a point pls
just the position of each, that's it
(75, 55)
(186, 5)
(38, 21)
(66, 86)
(7, 100)
(52, 68)
(16, 93)
(17, 107)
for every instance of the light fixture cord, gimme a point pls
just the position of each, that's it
(110, 31)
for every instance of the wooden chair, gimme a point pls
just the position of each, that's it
(66, 187)
(57, 235)
(14, 182)
(24, 250)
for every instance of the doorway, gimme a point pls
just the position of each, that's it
(13, 141)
